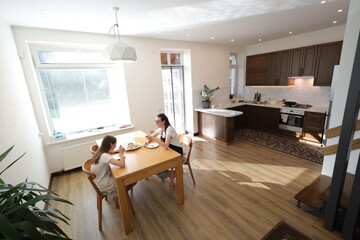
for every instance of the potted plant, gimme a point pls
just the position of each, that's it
(21, 218)
(207, 93)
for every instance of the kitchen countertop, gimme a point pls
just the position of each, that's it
(220, 112)
(319, 109)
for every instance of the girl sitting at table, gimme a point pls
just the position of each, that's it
(100, 166)
(168, 139)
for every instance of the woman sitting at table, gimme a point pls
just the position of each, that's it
(100, 166)
(168, 139)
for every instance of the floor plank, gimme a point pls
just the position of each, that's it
(242, 191)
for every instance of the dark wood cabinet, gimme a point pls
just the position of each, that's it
(218, 127)
(279, 69)
(266, 118)
(302, 61)
(313, 128)
(270, 118)
(275, 68)
(256, 70)
(239, 120)
(327, 57)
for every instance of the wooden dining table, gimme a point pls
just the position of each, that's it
(140, 164)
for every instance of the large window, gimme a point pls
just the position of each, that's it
(81, 90)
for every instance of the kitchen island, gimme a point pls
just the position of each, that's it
(217, 124)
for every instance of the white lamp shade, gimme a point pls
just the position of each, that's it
(119, 51)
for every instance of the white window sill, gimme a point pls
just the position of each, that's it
(83, 135)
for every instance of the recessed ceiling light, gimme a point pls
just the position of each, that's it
(290, 32)
(188, 35)
(340, 10)
(334, 22)
(212, 38)
(322, 2)
(46, 11)
(232, 40)
(260, 40)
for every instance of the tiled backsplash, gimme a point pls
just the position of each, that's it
(302, 91)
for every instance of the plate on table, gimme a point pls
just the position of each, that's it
(132, 146)
(152, 145)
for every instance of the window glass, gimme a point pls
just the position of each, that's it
(164, 60)
(175, 58)
(49, 57)
(78, 99)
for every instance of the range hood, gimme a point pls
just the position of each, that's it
(302, 77)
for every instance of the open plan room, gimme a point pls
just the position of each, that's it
(220, 119)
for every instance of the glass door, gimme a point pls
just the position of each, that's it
(173, 85)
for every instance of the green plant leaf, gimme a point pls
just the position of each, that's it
(12, 162)
(3, 155)
(7, 230)
(38, 199)
(28, 228)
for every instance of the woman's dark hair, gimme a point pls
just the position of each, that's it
(104, 148)
(165, 119)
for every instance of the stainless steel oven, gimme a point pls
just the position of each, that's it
(291, 119)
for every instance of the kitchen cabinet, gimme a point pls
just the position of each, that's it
(217, 127)
(279, 69)
(239, 120)
(313, 128)
(327, 57)
(266, 118)
(256, 70)
(302, 61)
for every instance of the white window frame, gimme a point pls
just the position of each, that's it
(38, 66)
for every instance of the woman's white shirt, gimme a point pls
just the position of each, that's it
(104, 179)
(170, 131)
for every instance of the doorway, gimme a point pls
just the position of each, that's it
(173, 89)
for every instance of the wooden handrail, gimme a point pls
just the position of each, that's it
(333, 148)
(334, 132)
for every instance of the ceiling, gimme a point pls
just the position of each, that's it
(244, 21)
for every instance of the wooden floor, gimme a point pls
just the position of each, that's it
(242, 191)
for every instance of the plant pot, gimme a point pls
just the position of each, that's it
(206, 104)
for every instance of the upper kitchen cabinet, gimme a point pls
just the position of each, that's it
(302, 61)
(256, 70)
(328, 57)
(279, 69)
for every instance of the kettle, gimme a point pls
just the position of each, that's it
(257, 97)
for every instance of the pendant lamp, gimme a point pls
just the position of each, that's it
(119, 51)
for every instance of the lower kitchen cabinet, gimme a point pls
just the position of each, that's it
(313, 128)
(239, 120)
(217, 127)
(266, 118)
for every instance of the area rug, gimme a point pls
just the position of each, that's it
(284, 231)
(283, 144)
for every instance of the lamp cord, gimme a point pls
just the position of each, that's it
(114, 30)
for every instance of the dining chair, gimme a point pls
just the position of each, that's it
(102, 195)
(185, 140)
(94, 148)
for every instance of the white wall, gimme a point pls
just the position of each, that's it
(303, 91)
(209, 65)
(17, 120)
(342, 85)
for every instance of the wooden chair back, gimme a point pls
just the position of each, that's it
(94, 148)
(186, 140)
(91, 176)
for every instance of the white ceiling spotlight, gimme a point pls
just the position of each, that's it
(119, 51)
